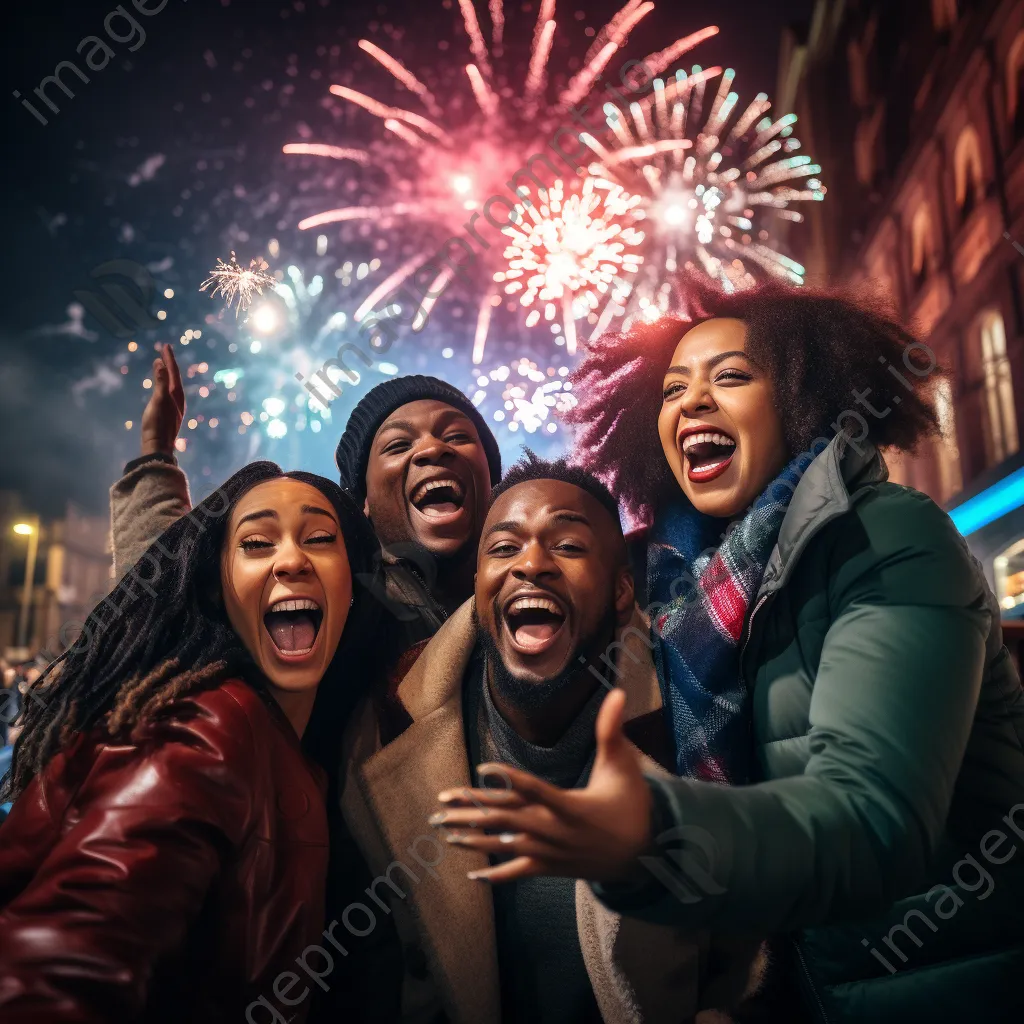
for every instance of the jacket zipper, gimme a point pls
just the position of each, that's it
(810, 983)
(748, 630)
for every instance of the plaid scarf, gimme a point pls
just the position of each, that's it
(701, 582)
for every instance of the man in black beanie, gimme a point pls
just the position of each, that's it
(421, 459)
(415, 452)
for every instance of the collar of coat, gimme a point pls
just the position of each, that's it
(827, 489)
(640, 972)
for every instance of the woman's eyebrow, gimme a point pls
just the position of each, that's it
(317, 511)
(264, 513)
(714, 361)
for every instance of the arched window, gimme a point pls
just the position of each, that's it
(1000, 415)
(1015, 85)
(921, 252)
(947, 452)
(967, 172)
(943, 14)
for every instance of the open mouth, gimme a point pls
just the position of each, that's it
(534, 623)
(438, 498)
(293, 625)
(708, 454)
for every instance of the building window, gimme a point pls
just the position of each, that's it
(921, 245)
(1015, 85)
(1009, 574)
(946, 451)
(1000, 416)
(943, 14)
(967, 172)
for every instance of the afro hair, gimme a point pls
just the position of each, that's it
(820, 348)
(532, 467)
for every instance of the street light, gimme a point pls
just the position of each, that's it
(30, 530)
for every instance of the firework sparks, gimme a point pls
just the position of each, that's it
(522, 396)
(568, 249)
(714, 191)
(359, 156)
(473, 136)
(236, 284)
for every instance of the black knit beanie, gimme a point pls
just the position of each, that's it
(353, 452)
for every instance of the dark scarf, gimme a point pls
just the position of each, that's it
(701, 583)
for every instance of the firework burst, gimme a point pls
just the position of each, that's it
(236, 284)
(468, 140)
(568, 249)
(524, 397)
(715, 189)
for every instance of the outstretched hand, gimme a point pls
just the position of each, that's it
(161, 419)
(595, 833)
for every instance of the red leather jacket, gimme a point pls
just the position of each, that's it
(175, 878)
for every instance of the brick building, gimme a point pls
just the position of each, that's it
(915, 110)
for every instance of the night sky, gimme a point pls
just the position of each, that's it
(171, 155)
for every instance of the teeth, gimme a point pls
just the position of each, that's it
(523, 603)
(432, 485)
(707, 436)
(298, 604)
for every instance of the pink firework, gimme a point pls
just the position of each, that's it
(457, 144)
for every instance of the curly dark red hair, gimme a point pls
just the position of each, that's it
(817, 346)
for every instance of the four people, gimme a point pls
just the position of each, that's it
(777, 719)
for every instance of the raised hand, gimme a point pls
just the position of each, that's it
(161, 419)
(595, 833)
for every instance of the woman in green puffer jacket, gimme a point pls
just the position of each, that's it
(828, 648)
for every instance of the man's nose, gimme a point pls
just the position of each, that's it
(534, 561)
(431, 450)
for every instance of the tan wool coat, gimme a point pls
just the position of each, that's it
(641, 973)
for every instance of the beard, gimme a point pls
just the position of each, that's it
(530, 697)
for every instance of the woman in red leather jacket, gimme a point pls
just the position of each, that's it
(166, 855)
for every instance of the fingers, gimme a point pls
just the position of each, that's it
(174, 378)
(521, 867)
(609, 719)
(608, 728)
(159, 380)
(481, 798)
(508, 779)
(510, 844)
(534, 821)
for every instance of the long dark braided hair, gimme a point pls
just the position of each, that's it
(163, 632)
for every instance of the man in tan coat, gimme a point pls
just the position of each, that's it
(517, 675)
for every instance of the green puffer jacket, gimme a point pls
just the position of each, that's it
(887, 833)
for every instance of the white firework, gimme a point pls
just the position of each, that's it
(716, 189)
(522, 396)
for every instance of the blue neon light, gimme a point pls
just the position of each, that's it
(993, 502)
